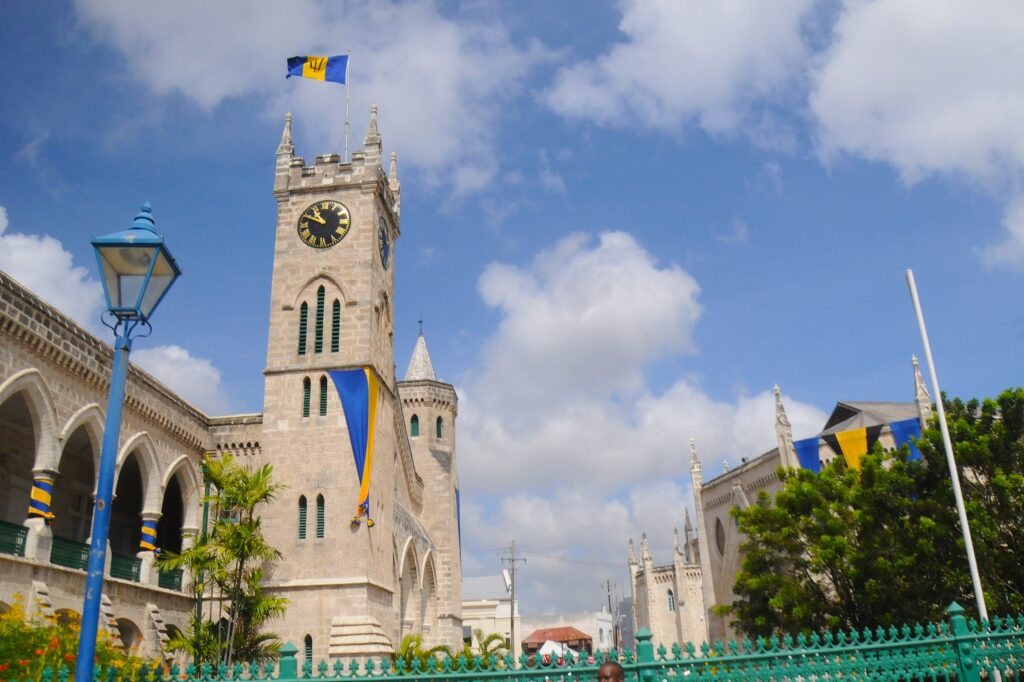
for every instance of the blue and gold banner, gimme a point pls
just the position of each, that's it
(148, 541)
(319, 68)
(41, 497)
(807, 453)
(905, 433)
(358, 390)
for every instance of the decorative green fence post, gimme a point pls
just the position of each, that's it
(963, 644)
(644, 655)
(288, 666)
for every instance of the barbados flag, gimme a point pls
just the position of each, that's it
(333, 69)
(358, 390)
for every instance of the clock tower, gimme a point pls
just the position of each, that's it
(331, 309)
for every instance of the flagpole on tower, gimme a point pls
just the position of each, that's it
(348, 84)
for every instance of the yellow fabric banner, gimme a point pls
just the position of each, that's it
(854, 444)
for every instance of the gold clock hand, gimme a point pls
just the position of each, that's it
(316, 217)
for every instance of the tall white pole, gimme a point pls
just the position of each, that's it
(950, 460)
(348, 84)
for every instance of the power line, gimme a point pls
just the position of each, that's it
(512, 560)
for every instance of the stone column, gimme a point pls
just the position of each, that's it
(189, 537)
(39, 540)
(147, 548)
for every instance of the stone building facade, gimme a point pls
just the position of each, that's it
(354, 589)
(706, 562)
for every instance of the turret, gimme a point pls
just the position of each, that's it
(784, 433)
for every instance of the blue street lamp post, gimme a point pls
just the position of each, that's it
(137, 271)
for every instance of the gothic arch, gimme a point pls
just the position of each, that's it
(149, 468)
(92, 418)
(39, 400)
(428, 562)
(428, 595)
(408, 547)
(189, 480)
(310, 285)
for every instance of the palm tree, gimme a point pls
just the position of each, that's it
(487, 646)
(411, 649)
(229, 559)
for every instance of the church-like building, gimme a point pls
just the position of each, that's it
(370, 548)
(676, 601)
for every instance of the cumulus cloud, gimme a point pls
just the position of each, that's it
(43, 265)
(681, 62)
(441, 82)
(194, 379)
(1010, 251)
(562, 407)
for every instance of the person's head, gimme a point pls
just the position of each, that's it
(611, 672)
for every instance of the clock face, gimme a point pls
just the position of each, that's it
(384, 243)
(324, 224)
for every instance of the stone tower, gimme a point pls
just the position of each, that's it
(331, 309)
(430, 407)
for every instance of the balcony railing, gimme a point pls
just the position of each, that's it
(124, 566)
(12, 538)
(170, 580)
(69, 553)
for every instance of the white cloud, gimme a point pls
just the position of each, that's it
(737, 233)
(562, 407)
(928, 87)
(194, 379)
(683, 61)
(1009, 252)
(442, 83)
(43, 265)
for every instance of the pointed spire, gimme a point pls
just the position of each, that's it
(675, 541)
(694, 460)
(725, 466)
(286, 146)
(784, 433)
(372, 139)
(393, 169)
(687, 526)
(420, 368)
(921, 397)
(632, 553)
(645, 551)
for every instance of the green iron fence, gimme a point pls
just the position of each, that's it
(960, 649)
(69, 553)
(12, 538)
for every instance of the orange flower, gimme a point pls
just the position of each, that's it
(4, 667)
(54, 642)
(70, 658)
(39, 652)
(23, 662)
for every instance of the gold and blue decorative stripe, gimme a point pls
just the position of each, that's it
(148, 541)
(41, 498)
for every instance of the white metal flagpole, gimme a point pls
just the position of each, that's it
(348, 80)
(950, 460)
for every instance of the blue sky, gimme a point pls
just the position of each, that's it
(622, 223)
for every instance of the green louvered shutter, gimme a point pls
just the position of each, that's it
(318, 340)
(305, 396)
(319, 516)
(303, 319)
(323, 396)
(336, 326)
(302, 517)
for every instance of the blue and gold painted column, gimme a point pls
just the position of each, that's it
(147, 543)
(41, 497)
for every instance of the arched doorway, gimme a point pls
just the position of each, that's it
(17, 433)
(428, 602)
(125, 521)
(131, 635)
(172, 517)
(410, 593)
(72, 491)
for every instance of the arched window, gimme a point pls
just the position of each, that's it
(323, 396)
(319, 516)
(303, 319)
(302, 517)
(720, 537)
(671, 601)
(305, 396)
(309, 649)
(440, 428)
(318, 339)
(414, 426)
(335, 326)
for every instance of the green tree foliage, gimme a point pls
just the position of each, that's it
(227, 565)
(881, 545)
(487, 646)
(411, 651)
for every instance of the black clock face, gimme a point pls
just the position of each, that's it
(384, 243)
(324, 224)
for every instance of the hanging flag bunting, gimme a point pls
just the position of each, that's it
(874, 432)
(41, 498)
(334, 69)
(807, 453)
(905, 432)
(358, 390)
(852, 445)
